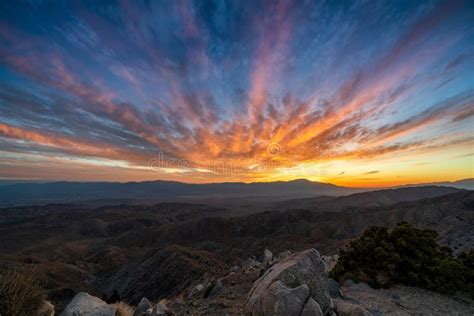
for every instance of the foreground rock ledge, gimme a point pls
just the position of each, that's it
(294, 286)
(85, 304)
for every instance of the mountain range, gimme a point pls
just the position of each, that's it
(65, 192)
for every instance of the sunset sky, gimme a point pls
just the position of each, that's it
(356, 93)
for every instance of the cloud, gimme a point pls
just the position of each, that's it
(372, 172)
(125, 82)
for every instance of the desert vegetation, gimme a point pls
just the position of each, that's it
(405, 255)
(20, 293)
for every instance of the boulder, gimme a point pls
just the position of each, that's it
(267, 256)
(334, 288)
(161, 309)
(282, 300)
(282, 255)
(85, 304)
(142, 308)
(345, 308)
(287, 286)
(235, 269)
(196, 291)
(311, 308)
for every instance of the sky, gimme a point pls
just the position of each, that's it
(355, 93)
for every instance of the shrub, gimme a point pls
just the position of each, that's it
(405, 255)
(123, 309)
(20, 293)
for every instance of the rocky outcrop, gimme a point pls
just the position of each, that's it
(85, 304)
(295, 285)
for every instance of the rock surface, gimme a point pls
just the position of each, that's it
(143, 306)
(311, 308)
(404, 300)
(160, 309)
(282, 255)
(345, 308)
(334, 288)
(267, 256)
(286, 287)
(196, 291)
(85, 304)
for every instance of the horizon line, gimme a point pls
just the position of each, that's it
(41, 181)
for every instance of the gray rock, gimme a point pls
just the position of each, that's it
(282, 300)
(334, 288)
(160, 309)
(267, 256)
(196, 291)
(85, 304)
(311, 308)
(235, 269)
(282, 287)
(143, 306)
(345, 308)
(282, 255)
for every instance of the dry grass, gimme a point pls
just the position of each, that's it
(20, 293)
(123, 309)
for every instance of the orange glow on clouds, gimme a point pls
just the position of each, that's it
(280, 90)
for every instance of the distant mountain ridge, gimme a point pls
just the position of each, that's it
(28, 193)
(467, 184)
(368, 199)
(61, 192)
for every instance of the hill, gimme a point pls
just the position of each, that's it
(98, 249)
(467, 184)
(368, 199)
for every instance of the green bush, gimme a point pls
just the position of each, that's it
(405, 255)
(20, 293)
